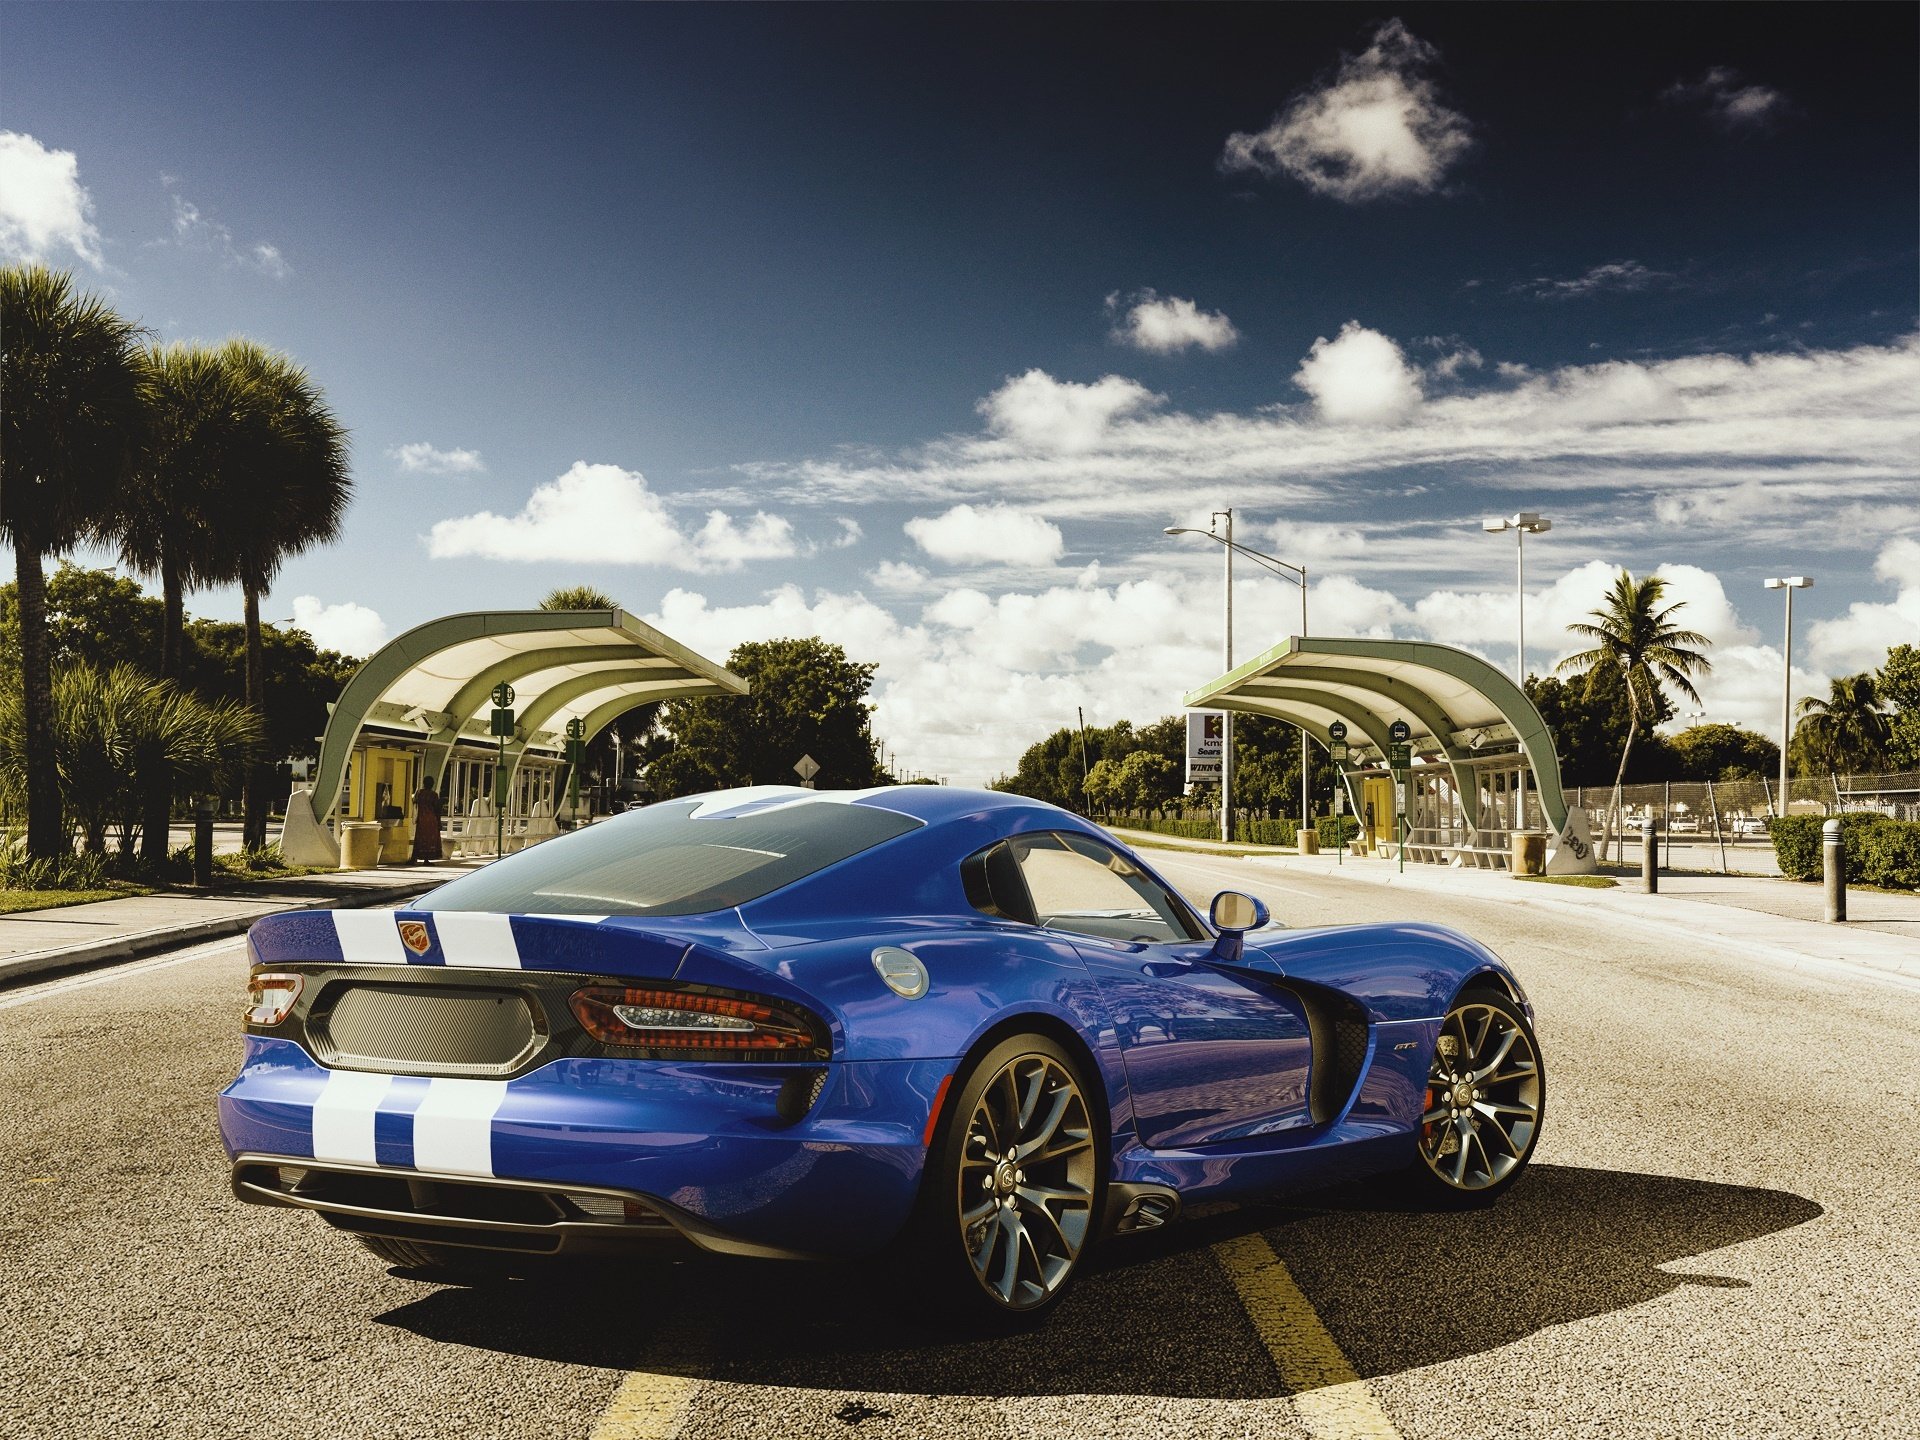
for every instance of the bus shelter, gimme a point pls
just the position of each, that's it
(1482, 761)
(422, 705)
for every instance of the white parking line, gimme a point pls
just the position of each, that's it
(28, 994)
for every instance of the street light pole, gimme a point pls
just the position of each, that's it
(1524, 524)
(1286, 570)
(1226, 716)
(1789, 584)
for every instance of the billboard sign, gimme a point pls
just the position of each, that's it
(1206, 746)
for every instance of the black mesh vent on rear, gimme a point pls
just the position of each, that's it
(424, 1030)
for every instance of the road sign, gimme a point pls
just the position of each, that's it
(502, 721)
(576, 728)
(1399, 757)
(1399, 797)
(806, 767)
(1338, 729)
(503, 694)
(1206, 745)
(1338, 750)
(1400, 732)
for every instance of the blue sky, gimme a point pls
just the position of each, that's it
(914, 326)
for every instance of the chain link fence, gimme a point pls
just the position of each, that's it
(1721, 825)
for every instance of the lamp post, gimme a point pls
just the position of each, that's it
(1286, 571)
(1789, 583)
(1524, 524)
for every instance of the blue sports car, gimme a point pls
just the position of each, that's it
(781, 1022)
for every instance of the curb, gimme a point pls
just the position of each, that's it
(148, 942)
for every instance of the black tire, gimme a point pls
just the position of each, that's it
(1485, 1102)
(1061, 1201)
(448, 1262)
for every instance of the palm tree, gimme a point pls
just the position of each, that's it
(579, 597)
(294, 497)
(1848, 729)
(203, 438)
(1637, 643)
(69, 430)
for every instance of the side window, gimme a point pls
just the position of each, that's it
(994, 886)
(1081, 886)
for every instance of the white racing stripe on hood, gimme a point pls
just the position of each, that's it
(369, 937)
(476, 939)
(453, 1128)
(343, 1116)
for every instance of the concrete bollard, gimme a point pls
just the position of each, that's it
(1833, 865)
(203, 846)
(1650, 855)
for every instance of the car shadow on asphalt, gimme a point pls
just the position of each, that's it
(1399, 1288)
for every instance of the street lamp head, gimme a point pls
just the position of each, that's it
(1790, 582)
(1539, 526)
(1493, 525)
(1175, 530)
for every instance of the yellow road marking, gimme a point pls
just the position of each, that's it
(646, 1407)
(1332, 1400)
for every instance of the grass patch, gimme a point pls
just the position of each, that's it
(1585, 882)
(14, 901)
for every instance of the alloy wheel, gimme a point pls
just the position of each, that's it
(1027, 1181)
(1483, 1098)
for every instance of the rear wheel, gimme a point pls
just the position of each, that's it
(1486, 1094)
(1013, 1182)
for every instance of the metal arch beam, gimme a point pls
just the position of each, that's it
(672, 686)
(1274, 710)
(1536, 741)
(1416, 702)
(399, 655)
(1373, 724)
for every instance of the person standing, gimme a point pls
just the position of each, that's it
(426, 823)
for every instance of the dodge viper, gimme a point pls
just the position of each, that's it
(791, 1023)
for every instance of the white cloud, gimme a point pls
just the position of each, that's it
(347, 627)
(898, 577)
(1616, 277)
(1166, 327)
(1359, 376)
(1731, 104)
(1376, 129)
(850, 533)
(419, 458)
(1860, 639)
(44, 209)
(1064, 416)
(193, 230)
(987, 535)
(605, 515)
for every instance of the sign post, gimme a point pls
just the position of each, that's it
(501, 729)
(806, 767)
(1206, 746)
(1400, 762)
(1337, 752)
(576, 757)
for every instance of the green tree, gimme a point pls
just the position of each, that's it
(1722, 752)
(1844, 734)
(807, 698)
(1589, 724)
(1636, 640)
(204, 439)
(296, 498)
(93, 617)
(1103, 788)
(70, 427)
(1147, 780)
(578, 597)
(1898, 685)
(111, 728)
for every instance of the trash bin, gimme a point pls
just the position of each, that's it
(359, 844)
(1529, 852)
(1309, 842)
(396, 842)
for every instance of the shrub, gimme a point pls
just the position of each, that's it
(1336, 830)
(59, 872)
(1879, 851)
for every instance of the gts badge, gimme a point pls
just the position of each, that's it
(1409, 1045)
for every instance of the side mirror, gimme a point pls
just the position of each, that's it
(1235, 914)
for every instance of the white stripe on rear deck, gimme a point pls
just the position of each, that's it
(369, 937)
(472, 938)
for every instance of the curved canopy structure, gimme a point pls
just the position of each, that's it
(437, 680)
(1453, 704)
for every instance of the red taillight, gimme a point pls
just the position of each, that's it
(270, 997)
(688, 1022)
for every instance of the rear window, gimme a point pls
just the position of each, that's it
(681, 857)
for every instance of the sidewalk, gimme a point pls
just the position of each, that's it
(1778, 919)
(33, 941)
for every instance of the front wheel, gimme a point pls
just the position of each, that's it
(1013, 1182)
(1486, 1094)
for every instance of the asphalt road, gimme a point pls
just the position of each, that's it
(1720, 1236)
